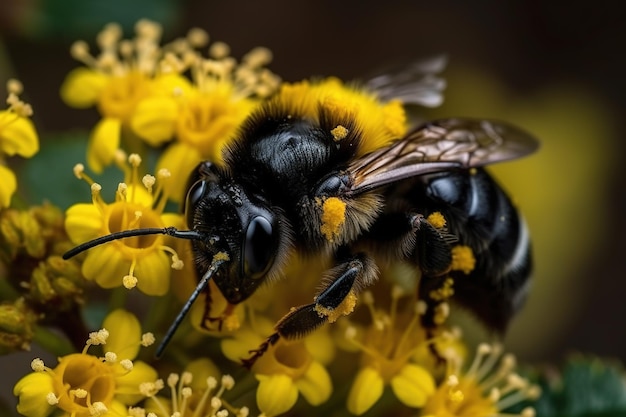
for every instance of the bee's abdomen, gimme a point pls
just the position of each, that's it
(483, 217)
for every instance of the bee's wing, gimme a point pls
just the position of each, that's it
(439, 146)
(417, 83)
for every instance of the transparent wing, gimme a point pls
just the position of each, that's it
(439, 146)
(416, 83)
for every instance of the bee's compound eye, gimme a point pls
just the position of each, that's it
(194, 195)
(259, 247)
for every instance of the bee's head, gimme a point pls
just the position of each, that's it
(240, 224)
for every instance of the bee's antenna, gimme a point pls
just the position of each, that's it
(171, 231)
(183, 311)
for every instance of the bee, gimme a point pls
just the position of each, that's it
(323, 168)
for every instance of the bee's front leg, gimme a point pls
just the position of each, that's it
(336, 298)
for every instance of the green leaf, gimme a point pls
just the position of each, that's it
(586, 386)
(49, 176)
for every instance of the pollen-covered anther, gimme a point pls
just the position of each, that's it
(197, 37)
(148, 181)
(164, 173)
(186, 392)
(172, 379)
(79, 393)
(177, 263)
(98, 338)
(120, 157)
(216, 403)
(15, 86)
(339, 133)
(219, 50)
(211, 382)
(122, 190)
(228, 382)
(127, 364)
(98, 409)
(79, 169)
(350, 333)
(147, 339)
(37, 365)
(150, 389)
(129, 281)
(134, 160)
(110, 357)
(186, 378)
(95, 189)
(52, 399)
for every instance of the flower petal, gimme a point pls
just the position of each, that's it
(103, 142)
(413, 385)
(153, 273)
(316, 385)
(180, 159)
(124, 334)
(82, 87)
(127, 386)
(276, 394)
(154, 119)
(83, 222)
(32, 390)
(8, 185)
(202, 368)
(17, 135)
(105, 265)
(366, 389)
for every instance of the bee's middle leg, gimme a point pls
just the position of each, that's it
(342, 282)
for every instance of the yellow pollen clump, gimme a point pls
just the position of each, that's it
(339, 133)
(221, 256)
(437, 220)
(333, 217)
(346, 307)
(444, 292)
(463, 259)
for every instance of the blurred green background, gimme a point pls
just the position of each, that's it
(556, 71)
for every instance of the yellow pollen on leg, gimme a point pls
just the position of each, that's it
(346, 307)
(463, 259)
(437, 220)
(444, 292)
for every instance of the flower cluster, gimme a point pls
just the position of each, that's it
(17, 137)
(385, 350)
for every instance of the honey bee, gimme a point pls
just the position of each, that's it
(324, 168)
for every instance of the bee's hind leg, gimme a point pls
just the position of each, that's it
(336, 298)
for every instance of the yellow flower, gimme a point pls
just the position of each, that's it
(194, 392)
(139, 261)
(202, 117)
(84, 385)
(125, 72)
(485, 389)
(287, 369)
(394, 352)
(17, 136)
